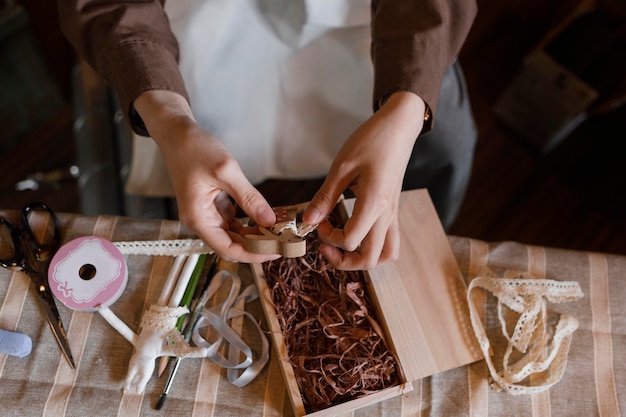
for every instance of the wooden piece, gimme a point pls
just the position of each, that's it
(420, 302)
(286, 244)
(286, 237)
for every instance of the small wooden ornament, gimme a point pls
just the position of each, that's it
(286, 244)
(285, 237)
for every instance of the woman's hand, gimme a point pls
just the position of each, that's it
(204, 174)
(372, 163)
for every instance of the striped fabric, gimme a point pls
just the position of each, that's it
(42, 383)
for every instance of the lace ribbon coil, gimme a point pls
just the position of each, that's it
(530, 352)
(172, 247)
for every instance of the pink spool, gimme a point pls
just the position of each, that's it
(88, 273)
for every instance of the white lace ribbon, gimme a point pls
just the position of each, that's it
(172, 247)
(529, 351)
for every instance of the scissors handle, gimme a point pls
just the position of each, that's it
(43, 248)
(12, 253)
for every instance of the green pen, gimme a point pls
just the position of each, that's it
(191, 289)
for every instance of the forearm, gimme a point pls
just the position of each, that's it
(129, 44)
(413, 43)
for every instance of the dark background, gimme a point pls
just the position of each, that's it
(572, 197)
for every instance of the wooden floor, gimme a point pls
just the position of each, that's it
(575, 197)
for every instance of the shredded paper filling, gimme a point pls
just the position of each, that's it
(335, 344)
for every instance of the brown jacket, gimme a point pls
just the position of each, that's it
(130, 44)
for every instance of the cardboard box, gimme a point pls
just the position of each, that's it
(420, 301)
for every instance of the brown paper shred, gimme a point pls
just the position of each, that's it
(335, 343)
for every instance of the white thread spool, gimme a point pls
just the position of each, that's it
(88, 273)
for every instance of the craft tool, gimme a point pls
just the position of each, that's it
(170, 281)
(191, 324)
(191, 289)
(31, 254)
(178, 292)
(185, 302)
(183, 280)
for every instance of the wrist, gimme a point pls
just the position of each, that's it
(410, 109)
(406, 101)
(159, 109)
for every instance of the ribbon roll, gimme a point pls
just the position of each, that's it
(88, 273)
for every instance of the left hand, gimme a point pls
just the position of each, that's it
(372, 164)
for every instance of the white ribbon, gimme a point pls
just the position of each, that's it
(526, 296)
(173, 247)
(217, 317)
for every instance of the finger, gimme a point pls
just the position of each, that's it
(364, 216)
(345, 261)
(219, 229)
(391, 248)
(227, 211)
(372, 245)
(381, 245)
(229, 246)
(367, 212)
(332, 236)
(249, 199)
(325, 199)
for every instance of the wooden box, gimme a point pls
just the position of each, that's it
(421, 303)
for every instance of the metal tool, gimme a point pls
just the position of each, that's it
(29, 248)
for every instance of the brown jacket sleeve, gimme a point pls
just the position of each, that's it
(414, 42)
(129, 43)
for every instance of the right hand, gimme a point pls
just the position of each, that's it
(204, 174)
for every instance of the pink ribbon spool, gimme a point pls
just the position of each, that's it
(88, 273)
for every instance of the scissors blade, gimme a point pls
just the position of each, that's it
(54, 319)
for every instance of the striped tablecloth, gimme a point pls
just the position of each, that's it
(594, 383)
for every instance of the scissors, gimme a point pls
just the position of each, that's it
(31, 252)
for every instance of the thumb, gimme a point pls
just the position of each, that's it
(255, 206)
(252, 202)
(322, 203)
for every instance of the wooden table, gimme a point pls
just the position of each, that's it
(42, 383)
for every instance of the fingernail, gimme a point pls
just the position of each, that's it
(312, 215)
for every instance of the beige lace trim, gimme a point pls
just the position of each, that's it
(162, 317)
(532, 361)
